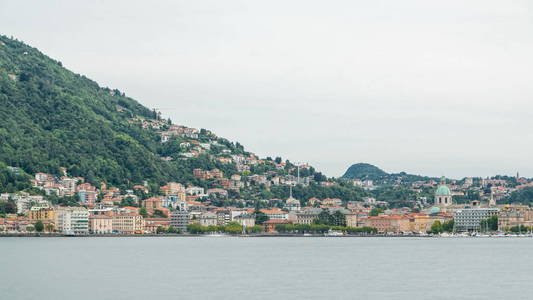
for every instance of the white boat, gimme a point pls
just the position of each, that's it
(334, 233)
(215, 234)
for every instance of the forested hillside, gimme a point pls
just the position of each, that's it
(51, 117)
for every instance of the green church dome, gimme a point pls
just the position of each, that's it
(443, 190)
(434, 210)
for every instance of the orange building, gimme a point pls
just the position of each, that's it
(387, 223)
(151, 204)
(270, 225)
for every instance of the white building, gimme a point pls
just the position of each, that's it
(24, 201)
(208, 219)
(469, 219)
(72, 220)
(246, 220)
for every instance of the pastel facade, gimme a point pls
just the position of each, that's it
(129, 223)
(72, 220)
(100, 224)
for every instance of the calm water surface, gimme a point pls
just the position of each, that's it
(265, 268)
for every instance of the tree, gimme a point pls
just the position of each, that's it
(323, 218)
(448, 226)
(436, 227)
(255, 229)
(233, 228)
(338, 219)
(160, 229)
(376, 211)
(8, 207)
(39, 226)
(143, 212)
(196, 228)
(260, 217)
(127, 201)
(492, 223)
(30, 229)
(172, 229)
(50, 227)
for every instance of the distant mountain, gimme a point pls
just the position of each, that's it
(370, 172)
(363, 171)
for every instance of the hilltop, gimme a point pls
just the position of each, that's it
(363, 171)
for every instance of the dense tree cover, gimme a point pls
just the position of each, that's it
(332, 219)
(51, 117)
(399, 195)
(520, 229)
(13, 180)
(64, 201)
(467, 197)
(260, 217)
(438, 227)
(490, 224)
(8, 207)
(375, 211)
(524, 196)
(169, 229)
(364, 171)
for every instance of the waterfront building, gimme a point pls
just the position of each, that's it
(270, 225)
(208, 219)
(469, 219)
(223, 217)
(246, 220)
(307, 216)
(394, 224)
(275, 214)
(179, 219)
(15, 224)
(515, 215)
(100, 224)
(41, 213)
(72, 220)
(151, 224)
(422, 223)
(128, 223)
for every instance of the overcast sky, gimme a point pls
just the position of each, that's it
(427, 87)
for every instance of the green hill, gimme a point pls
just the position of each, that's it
(363, 171)
(51, 117)
(371, 172)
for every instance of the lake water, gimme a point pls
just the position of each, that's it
(265, 268)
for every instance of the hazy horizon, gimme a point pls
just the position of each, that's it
(422, 87)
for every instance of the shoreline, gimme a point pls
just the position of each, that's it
(56, 235)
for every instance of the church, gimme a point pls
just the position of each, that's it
(443, 195)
